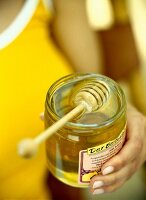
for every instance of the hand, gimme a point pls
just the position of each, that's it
(117, 170)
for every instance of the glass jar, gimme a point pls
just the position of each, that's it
(77, 151)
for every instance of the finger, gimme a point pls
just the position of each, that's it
(99, 181)
(113, 181)
(108, 189)
(102, 181)
(42, 116)
(129, 153)
(136, 121)
(135, 125)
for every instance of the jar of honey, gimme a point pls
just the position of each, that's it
(77, 151)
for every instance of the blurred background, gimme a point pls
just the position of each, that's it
(41, 41)
(107, 37)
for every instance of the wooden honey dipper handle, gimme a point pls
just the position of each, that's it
(89, 98)
(28, 147)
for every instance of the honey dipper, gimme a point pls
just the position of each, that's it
(89, 98)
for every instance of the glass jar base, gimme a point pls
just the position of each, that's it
(68, 178)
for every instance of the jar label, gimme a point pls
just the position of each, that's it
(92, 159)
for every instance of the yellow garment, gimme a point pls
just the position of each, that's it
(29, 65)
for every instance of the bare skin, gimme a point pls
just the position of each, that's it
(121, 167)
(8, 13)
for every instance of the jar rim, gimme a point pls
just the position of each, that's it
(66, 79)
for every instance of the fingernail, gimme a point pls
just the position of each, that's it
(98, 191)
(108, 170)
(97, 184)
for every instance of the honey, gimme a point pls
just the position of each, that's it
(77, 151)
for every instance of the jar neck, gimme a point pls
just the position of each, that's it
(114, 109)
